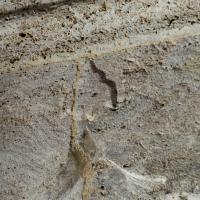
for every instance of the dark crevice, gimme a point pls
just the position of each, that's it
(110, 83)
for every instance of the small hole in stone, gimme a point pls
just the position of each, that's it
(94, 94)
(123, 127)
(22, 34)
(126, 165)
(102, 187)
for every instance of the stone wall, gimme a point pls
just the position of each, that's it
(99, 100)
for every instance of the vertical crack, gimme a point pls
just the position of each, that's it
(82, 158)
(110, 83)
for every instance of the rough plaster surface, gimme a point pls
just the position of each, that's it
(100, 100)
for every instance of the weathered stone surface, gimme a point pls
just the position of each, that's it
(99, 100)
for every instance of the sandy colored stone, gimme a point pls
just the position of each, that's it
(137, 104)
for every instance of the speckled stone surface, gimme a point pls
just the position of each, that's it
(137, 105)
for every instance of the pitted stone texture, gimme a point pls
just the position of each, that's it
(145, 148)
